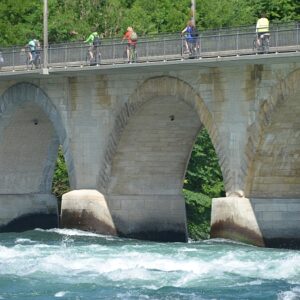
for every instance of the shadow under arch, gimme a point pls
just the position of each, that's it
(147, 157)
(31, 130)
(156, 87)
(268, 139)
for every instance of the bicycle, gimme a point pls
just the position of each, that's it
(33, 59)
(191, 47)
(261, 44)
(194, 49)
(96, 59)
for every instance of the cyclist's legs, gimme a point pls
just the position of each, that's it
(132, 52)
(91, 50)
(128, 51)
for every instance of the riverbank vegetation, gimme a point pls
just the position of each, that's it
(73, 20)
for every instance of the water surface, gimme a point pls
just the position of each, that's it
(71, 264)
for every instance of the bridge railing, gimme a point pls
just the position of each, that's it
(164, 47)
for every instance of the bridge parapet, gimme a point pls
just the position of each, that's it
(158, 48)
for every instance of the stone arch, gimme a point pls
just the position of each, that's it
(262, 137)
(22, 94)
(158, 87)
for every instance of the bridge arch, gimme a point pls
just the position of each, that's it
(147, 157)
(274, 143)
(31, 130)
(157, 87)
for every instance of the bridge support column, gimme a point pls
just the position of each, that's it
(150, 217)
(259, 221)
(87, 210)
(22, 212)
(233, 218)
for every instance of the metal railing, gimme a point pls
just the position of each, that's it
(163, 47)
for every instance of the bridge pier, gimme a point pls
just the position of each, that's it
(22, 212)
(270, 222)
(150, 217)
(87, 210)
(147, 217)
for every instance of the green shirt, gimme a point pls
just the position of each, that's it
(91, 37)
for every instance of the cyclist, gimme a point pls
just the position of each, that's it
(190, 41)
(32, 44)
(262, 28)
(131, 38)
(94, 42)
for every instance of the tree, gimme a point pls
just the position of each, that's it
(203, 173)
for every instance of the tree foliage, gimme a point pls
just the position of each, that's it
(60, 183)
(203, 173)
(68, 20)
(198, 209)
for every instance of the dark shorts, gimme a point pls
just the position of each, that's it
(259, 34)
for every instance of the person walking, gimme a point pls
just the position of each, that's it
(94, 42)
(131, 37)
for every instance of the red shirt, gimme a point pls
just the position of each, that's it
(127, 36)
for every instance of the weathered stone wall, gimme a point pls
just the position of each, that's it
(119, 138)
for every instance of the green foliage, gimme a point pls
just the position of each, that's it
(68, 20)
(216, 14)
(203, 173)
(60, 183)
(278, 10)
(198, 209)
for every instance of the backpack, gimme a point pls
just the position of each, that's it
(133, 36)
(194, 32)
(96, 41)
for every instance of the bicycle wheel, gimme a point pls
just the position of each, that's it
(134, 55)
(87, 58)
(266, 45)
(254, 45)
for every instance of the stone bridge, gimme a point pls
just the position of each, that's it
(127, 133)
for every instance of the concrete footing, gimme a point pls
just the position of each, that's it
(22, 212)
(257, 221)
(86, 210)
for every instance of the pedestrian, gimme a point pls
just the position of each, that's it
(131, 37)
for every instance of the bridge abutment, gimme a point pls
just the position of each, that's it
(271, 222)
(22, 212)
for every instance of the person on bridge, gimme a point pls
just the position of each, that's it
(131, 37)
(262, 27)
(94, 42)
(32, 45)
(191, 36)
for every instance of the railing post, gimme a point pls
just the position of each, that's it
(200, 47)
(13, 58)
(297, 39)
(49, 54)
(164, 49)
(114, 51)
(66, 55)
(237, 41)
(147, 49)
(276, 39)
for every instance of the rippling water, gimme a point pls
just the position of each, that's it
(71, 264)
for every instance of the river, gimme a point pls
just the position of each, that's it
(72, 264)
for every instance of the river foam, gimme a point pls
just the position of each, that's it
(72, 258)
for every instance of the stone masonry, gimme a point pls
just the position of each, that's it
(128, 131)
